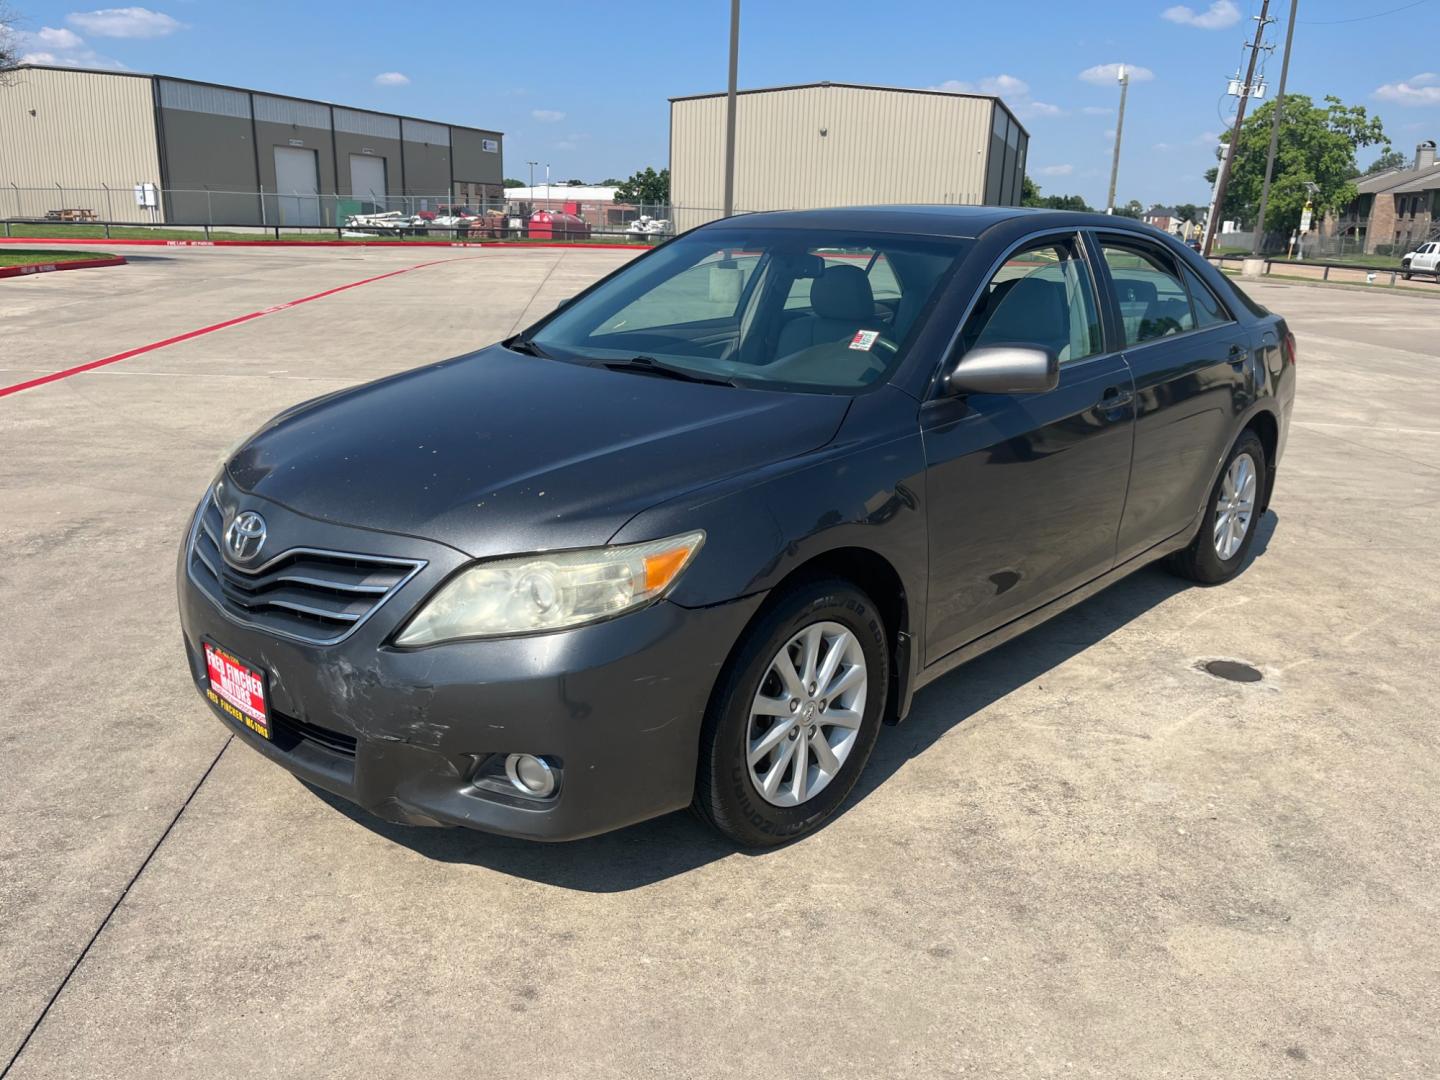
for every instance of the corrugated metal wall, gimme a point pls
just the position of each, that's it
(86, 130)
(828, 146)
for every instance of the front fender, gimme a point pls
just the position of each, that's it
(865, 490)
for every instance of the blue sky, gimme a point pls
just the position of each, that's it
(584, 85)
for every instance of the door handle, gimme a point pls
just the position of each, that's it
(1116, 397)
(1238, 355)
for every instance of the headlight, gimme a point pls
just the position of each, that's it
(551, 591)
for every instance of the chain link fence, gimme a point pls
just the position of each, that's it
(63, 209)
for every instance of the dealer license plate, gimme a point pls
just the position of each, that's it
(237, 689)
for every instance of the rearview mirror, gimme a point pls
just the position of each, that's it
(1005, 369)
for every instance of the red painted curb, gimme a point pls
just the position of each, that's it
(104, 360)
(50, 268)
(44, 241)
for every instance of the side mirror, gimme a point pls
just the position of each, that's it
(1005, 369)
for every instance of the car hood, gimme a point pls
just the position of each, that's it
(497, 452)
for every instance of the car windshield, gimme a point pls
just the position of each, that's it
(802, 309)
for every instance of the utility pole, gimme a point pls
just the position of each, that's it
(1212, 226)
(1119, 130)
(730, 108)
(1274, 132)
(532, 165)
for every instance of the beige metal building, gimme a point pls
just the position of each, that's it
(839, 144)
(75, 141)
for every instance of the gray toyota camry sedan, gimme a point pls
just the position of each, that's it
(695, 537)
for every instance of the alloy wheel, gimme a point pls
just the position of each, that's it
(806, 716)
(1235, 506)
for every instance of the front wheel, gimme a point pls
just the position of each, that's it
(795, 716)
(1227, 529)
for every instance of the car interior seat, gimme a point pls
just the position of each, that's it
(841, 301)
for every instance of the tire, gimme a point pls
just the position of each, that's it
(1203, 561)
(1405, 271)
(728, 790)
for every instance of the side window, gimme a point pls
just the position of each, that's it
(1042, 296)
(1208, 309)
(1153, 302)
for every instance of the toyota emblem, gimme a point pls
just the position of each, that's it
(246, 535)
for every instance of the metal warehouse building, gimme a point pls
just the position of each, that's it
(837, 144)
(73, 139)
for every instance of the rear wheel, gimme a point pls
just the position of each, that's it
(795, 716)
(1227, 530)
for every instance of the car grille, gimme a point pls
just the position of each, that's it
(305, 594)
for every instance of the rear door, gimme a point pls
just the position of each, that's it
(1194, 372)
(1025, 491)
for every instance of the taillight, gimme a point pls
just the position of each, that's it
(1290, 348)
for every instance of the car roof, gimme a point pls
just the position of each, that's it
(961, 222)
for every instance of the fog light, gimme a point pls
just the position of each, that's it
(531, 775)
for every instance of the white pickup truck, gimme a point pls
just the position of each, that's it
(1423, 260)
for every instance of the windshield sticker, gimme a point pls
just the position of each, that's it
(864, 339)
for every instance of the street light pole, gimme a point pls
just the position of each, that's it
(1222, 181)
(1274, 132)
(730, 108)
(532, 165)
(1119, 130)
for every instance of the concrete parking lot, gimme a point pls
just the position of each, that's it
(1080, 857)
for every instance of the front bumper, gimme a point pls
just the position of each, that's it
(618, 705)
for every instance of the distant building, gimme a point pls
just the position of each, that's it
(132, 147)
(1398, 209)
(1164, 218)
(595, 203)
(839, 144)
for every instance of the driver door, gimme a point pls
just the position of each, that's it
(1026, 491)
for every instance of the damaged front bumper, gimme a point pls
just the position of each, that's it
(415, 736)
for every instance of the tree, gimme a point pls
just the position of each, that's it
(574, 183)
(1132, 209)
(1030, 196)
(645, 187)
(1317, 145)
(9, 45)
(1390, 159)
(510, 181)
(1188, 211)
(610, 181)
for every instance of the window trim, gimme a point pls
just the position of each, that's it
(1228, 316)
(1078, 236)
(1100, 236)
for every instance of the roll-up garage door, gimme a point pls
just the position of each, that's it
(367, 181)
(297, 185)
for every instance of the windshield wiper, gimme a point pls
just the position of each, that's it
(648, 365)
(528, 347)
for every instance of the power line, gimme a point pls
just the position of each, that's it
(1363, 18)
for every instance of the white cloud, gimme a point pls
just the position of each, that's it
(547, 116)
(1055, 170)
(1108, 74)
(53, 38)
(392, 78)
(1422, 89)
(998, 85)
(126, 22)
(61, 48)
(1097, 110)
(1014, 90)
(1218, 16)
(1162, 146)
(1038, 108)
